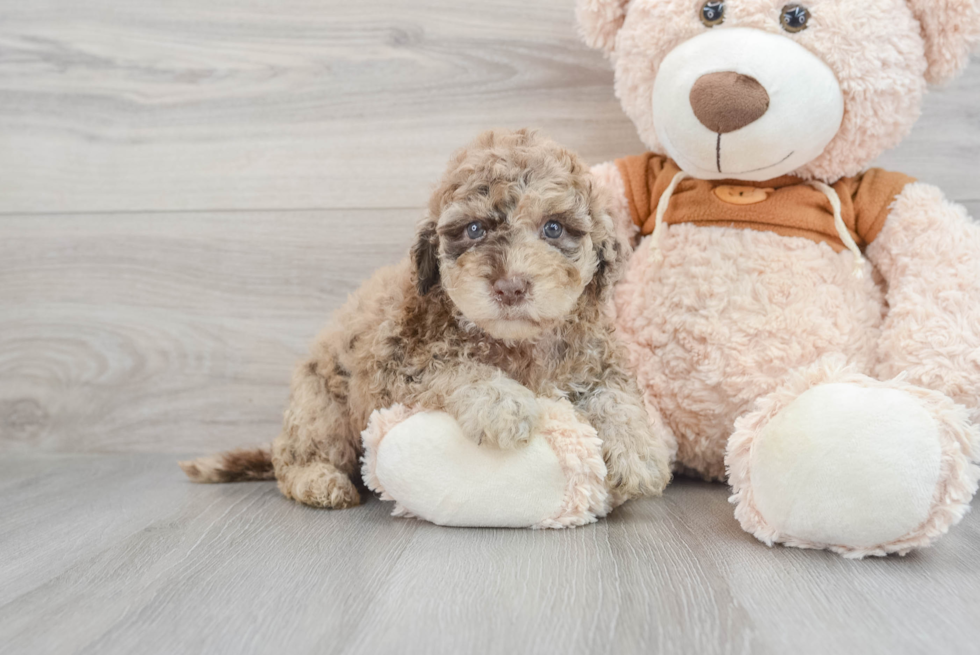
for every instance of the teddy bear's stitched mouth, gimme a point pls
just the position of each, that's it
(668, 140)
(754, 170)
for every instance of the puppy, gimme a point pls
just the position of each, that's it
(500, 303)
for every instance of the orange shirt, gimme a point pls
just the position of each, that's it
(786, 205)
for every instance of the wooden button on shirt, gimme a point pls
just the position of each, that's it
(742, 195)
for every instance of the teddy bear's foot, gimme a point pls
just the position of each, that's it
(840, 461)
(425, 462)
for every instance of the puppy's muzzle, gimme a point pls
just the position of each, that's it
(510, 291)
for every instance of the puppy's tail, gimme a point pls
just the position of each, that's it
(240, 465)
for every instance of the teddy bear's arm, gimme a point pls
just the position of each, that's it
(929, 255)
(608, 176)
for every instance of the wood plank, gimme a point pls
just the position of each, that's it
(262, 104)
(119, 554)
(170, 332)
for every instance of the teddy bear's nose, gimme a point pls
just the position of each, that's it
(725, 102)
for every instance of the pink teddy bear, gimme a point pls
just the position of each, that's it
(805, 327)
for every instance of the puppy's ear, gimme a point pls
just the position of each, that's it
(599, 21)
(610, 253)
(425, 255)
(951, 30)
(425, 252)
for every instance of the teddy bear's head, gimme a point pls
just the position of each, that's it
(755, 89)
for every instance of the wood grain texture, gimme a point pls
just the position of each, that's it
(262, 104)
(169, 333)
(119, 554)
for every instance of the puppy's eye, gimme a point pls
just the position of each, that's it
(713, 13)
(795, 18)
(553, 229)
(475, 230)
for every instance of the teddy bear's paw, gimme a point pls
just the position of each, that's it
(435, 471)
(860, 467)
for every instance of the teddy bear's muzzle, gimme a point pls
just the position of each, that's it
(746, 104)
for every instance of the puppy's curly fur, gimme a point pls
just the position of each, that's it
(501, 302)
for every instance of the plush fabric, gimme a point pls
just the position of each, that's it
(784, 88)
(882, 53)
(951, 34)
(726, 314)
(607, 177)
(896, 469)
(929, 252)
(832, 349)
(424, 462)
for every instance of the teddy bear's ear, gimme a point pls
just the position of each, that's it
(599, 21)
(951, 29)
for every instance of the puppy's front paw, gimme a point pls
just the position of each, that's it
(512, 421)
(629, 475)
(505, 416)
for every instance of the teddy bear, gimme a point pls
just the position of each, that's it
(804, 327)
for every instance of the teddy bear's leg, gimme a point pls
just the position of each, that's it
(838, 460)
(425, 462)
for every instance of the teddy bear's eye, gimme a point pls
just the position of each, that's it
(795, 18)
(713, 13)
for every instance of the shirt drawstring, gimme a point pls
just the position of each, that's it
(845, 236)
(842, 231)
(660, 226)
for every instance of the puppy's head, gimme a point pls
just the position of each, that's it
(517, 235)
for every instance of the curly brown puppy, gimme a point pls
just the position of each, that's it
(500, 302)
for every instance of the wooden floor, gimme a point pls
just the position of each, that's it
(187, 190)
(117, 554)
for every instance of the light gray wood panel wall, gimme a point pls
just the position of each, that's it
(170, 332)
(261, 104)
(268, 104)
(187, 190)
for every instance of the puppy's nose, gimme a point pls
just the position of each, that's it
(511, 290)
(725, 102)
